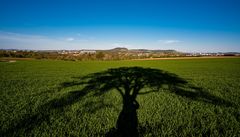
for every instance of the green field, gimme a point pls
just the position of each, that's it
(42, 98)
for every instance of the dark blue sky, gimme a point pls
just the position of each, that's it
(185, 25)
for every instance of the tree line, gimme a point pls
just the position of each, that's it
(99, 55)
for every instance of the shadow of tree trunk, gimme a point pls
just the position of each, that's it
(127, 122)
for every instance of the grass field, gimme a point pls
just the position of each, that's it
(34, 101)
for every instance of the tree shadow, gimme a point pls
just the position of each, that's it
(129, 82)
(133, 81)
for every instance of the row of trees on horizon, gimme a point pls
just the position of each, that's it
(99, 55)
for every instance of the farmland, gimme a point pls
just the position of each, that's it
(43, 98)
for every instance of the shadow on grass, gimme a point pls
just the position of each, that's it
(129, 82)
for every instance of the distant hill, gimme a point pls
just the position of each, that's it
(119, 49)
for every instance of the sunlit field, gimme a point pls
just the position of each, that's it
(47, 98)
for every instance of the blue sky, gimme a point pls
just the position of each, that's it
(184, 25)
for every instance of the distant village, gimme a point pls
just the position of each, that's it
(112, 54)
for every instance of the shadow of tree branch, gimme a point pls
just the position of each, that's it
(199, 94)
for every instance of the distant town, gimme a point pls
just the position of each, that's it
(119, 53)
